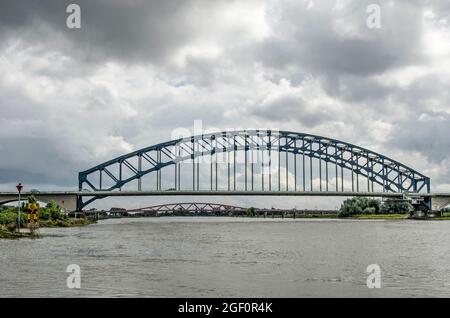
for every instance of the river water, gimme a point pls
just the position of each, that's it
(231, 257)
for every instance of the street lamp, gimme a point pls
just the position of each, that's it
(19, 188)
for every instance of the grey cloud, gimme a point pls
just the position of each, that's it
(310, 39)
(426, 134)
(39, 160)
(293, 108)
(94, 93)
(134, 31)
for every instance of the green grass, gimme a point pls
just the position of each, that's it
(380, 217)
(290, 216)
(441, 218)
(445, 217)
(316, 216)
(8, 233)
(69, 222)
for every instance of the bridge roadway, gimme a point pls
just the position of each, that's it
(68, 199)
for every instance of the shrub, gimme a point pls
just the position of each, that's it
(396, 207)
(369, 210)
(251, 211)
(51, 212)
(359, 205)
(355, 206)
(9, 216)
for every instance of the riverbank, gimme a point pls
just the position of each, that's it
(7, 233)
(379, 217)
(393, 216)
(69, 222)
(335, 216)
(10, 231)
(444, 217)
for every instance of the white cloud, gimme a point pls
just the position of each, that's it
(135, 73)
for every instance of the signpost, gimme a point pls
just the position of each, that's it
(33, 216)
(19, 188)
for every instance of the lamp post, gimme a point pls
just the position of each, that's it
(19, 189)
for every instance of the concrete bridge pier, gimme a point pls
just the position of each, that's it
(435, 205)
(439, 202)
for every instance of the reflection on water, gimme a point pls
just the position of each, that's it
(231, 257)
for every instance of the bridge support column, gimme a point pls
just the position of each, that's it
(438, 203)
(418, 214)
(429, 207)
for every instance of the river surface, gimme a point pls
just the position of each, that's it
(231, 257)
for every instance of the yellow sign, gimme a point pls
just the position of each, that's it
(33, 209)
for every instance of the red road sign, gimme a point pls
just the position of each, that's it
(19, 187)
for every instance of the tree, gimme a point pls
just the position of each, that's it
(251, 211)
(32, 199)
(396, 207)
(359, 205)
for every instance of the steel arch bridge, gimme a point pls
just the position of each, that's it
(267, 161)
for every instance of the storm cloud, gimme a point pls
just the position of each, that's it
(137, 70)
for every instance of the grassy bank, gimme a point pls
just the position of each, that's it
(392, 216)
(49, 216)
(445, 217)
(291, 216)
(68, 222)
(9, 231)
(335, 216)
(380, 217)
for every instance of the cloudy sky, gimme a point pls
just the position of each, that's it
(136, 70)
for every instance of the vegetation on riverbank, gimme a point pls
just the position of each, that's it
(360, 206)
(49, 216)
(392, 216)
(291, 216)
(68, 222)
(380, 217)
(444, 217)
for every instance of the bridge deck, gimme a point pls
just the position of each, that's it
(229, 193)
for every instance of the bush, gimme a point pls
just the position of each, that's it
(356, 206)
(396, 207)
(251, 211)
(9, 216)
(359, 205)
(51, 212)
(369, 210)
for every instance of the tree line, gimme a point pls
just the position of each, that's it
(362, 205)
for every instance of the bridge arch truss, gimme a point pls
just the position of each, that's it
(190, 208)
(249, 160)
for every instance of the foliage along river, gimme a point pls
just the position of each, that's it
(231, 257)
